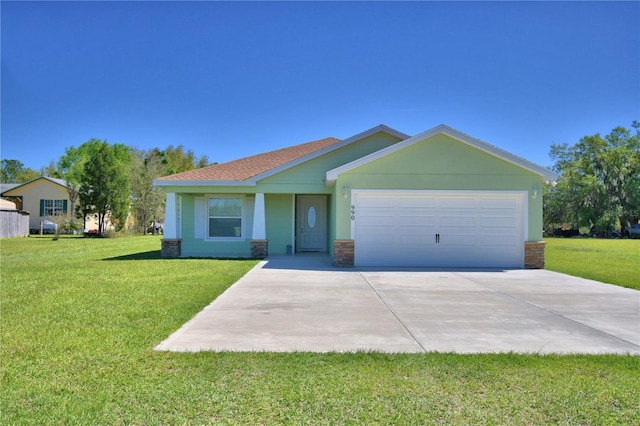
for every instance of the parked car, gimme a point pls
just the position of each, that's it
(559, 232)
(48, 227)
(633, 231)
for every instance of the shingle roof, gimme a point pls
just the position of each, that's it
(6, 187)
(248, 167)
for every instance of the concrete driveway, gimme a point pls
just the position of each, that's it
(298, 303)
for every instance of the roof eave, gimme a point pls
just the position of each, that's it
(332, 175)
(180, 183)
(379, 128)
(253, 180)
(20, 185)
(500, 153)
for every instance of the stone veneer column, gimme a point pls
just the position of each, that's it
(259, 248)
(171, 247)
(343, 252)
(534, 254)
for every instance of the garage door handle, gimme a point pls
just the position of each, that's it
(437, 238)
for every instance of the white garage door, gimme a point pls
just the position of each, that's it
(438, 229)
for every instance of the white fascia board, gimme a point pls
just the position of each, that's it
(161, 183)
(379, 128)
(500, 153)
(332, 175)
(61, 182)
(253, 180)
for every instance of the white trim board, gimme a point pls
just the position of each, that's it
(332, 175)
(381, 128)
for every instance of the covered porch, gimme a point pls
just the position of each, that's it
(247, 225)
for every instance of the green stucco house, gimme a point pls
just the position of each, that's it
(379, 198)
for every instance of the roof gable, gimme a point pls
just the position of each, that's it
(248, 167)
(332, 175)
(55, 181)
(249, 170)
(4, 187)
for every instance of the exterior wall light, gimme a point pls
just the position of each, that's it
(534, 193)
(345, 191)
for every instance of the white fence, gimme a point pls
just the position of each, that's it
(14, 223)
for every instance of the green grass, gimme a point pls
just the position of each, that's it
(80, 318)
(610, 261)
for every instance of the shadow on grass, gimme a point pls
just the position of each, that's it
(145, 255)
(155, 255)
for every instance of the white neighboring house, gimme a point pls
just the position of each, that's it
(44, 198)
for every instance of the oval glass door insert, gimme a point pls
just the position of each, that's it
(311, 217)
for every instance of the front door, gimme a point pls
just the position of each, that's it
(311, 221)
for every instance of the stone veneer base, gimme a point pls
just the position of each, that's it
(343, 252)
(534, 254)
(259, 248)
(171, 247)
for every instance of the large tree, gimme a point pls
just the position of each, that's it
(104, 187)
(177, 159)
(147, 201)
(141, 167)
(13, 171)
(599, 181)
(71, 167)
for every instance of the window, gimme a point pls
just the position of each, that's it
(53, 207)
(225, 217)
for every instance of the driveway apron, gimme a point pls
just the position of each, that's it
(299, 303)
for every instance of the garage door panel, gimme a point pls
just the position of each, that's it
(374, 201)
(458, 240)
(414, 219)
(499, 240)
(498, 221)
(388, 257)
(399, 229)
(373, 220)
(413, 242)
(467, 222)
(375, 235)
(415, 202)
(445, 202)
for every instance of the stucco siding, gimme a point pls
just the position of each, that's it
(279, 222)
(203, 247)
(279, 210)
(309, 177)
(440, 155)
(440, 163)
(187, 221)
(331, 221)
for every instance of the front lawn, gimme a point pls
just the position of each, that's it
(610, 261)
(80, 318)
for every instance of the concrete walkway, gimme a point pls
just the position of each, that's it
(298, 303)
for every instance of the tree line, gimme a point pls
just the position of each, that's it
(598, 187)
(110, 181)
(599, 183)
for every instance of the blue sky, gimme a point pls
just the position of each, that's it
(229, 80)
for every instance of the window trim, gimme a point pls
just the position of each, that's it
(208, 217)
(58, 207)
